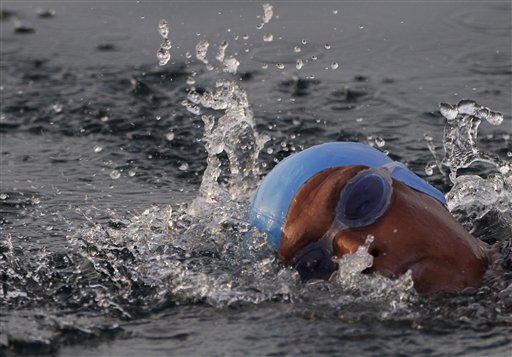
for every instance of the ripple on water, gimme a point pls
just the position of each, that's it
(479, 20)
(487, 62)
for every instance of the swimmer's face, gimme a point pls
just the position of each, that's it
(415, 233)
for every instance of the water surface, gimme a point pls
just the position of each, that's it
(101, 253)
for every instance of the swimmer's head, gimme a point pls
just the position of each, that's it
(325, 201)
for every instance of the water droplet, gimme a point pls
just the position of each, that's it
(334, 65)
(115, 174)
(166, 44)
(131, 173)
(304, 41)
(57, 107)
(297, 49)
(221, 53)
(3, 196)
(429, 168)
(36, 200)
(264, 66)
(169, 136)
(314, 58)
(267, 12)
(268, 37)
(191, 81)
(379, 141)
(335, 12)
(280, 65)
(183, 166)
(448, 111)
(163, 28)
(361, 27)
(188, 54)
(163, 56)
(201, 50)
(231, 65)
(299, 64)
(327, 46)
(245, 37)
(359, 120)
(98, 148)
(270, 150)
(509, 154)
(495, 118)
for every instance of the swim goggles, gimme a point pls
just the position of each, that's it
(364, 199)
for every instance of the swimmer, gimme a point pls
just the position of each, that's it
(326, 201)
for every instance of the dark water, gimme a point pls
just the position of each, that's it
(96, 147)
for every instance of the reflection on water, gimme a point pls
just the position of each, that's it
(98, 160)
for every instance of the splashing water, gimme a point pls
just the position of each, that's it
(230, 64)
(398, 293)
(472, 197)
(268, 13)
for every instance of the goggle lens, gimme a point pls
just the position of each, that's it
(364, 199)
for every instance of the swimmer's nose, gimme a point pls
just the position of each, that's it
(346, 243)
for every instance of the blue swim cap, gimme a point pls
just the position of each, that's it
(269, 205)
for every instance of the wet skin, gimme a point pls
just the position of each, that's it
(417, 233)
